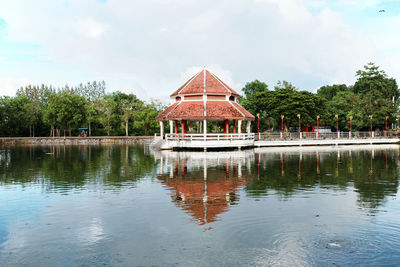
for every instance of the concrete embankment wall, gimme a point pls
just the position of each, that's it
(95, 140)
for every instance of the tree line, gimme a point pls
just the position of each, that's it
(373, 95)
(47, 111)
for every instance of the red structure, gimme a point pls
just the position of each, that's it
(204, 97)
(203, 199)
(308, 129)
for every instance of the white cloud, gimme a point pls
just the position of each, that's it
(359, 3)
(146, 46)
(91, 28)
(9, 85)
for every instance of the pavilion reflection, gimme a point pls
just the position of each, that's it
(204, 184)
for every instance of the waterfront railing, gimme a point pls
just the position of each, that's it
(210, 137)
(316, 135)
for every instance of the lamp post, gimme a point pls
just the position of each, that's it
(386, 118)
(370, 133)
(337, 124)
(258, 125)
(282, 117)
(318, 126)
(299, 116)
(351, 124)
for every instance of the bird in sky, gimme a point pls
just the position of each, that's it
(382, 10)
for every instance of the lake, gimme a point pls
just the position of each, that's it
(128, 205)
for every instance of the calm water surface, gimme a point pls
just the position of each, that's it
(126, 205)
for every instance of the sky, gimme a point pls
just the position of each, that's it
(151, 47)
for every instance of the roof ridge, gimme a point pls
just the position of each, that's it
(173, 108)
(229, 90)
(204, 80)
(204, 91)
(191, 80)
(237, 109)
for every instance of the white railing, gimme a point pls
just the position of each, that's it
(210, 137)
(315, 135)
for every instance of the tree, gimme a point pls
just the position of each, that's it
(342, 104)
(50, 111)
(127, 110)
(256, 99)
(93, 92)
(329, 91)
(254, 87)
(105, 107)
(32, 111)
(13, 116)
(287, 101)
(374, 81)
(144, 117)
(70, 109)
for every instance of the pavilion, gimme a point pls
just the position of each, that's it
(204, 98)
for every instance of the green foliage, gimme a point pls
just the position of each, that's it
(289, 102)
(105, 109)
(13, 116)
(374, 82)
(69, 108)
(254, 87)
(144, 122)
(40, 110)
(285, 100)
(372, 94)
(329, 91)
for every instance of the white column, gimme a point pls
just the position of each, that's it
(171, 127)
(205, 131)
(240, 168)
(205, 169)
(248, 126)
(162, 129)
(239, 126)
(171, 170)
(161, 165)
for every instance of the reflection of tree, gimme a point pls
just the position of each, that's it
(69, 167)
(375, 182)
(336, 171)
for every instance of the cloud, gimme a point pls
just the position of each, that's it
(9, 85)
(146, 46)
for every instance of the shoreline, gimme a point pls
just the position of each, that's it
(75, 140)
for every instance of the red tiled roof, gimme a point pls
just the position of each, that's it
(186, 110)
(213, 85)
(243, 111)
(165, 112)
(222, 110)
(194, 110)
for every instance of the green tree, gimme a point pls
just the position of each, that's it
(127, 110)
(343, 104)
(105, 108)
(373, 81)
(69, 108)
(93, 92)
(13, 118)
(329, 91)
(144, 118)
(287, 101)
(378, 96)
(254, 87)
